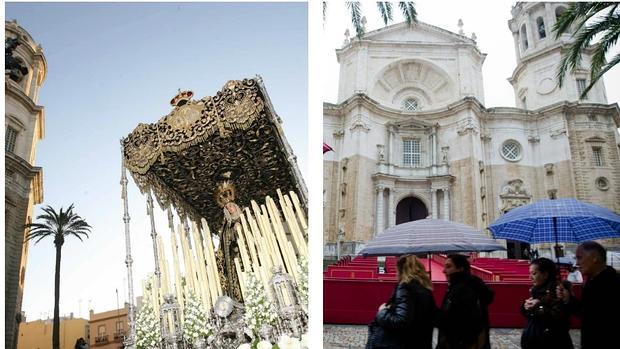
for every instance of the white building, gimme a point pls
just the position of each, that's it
(412, 137)
(24, 124)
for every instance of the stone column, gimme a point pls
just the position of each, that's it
(379, 222)
(434, 204)
(446, 204)
(391, 215)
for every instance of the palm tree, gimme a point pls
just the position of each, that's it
(385, 11)
(605, 27)
(57, 225)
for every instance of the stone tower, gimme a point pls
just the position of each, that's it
(25, 70)
(538, 54)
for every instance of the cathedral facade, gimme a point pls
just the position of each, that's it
(411, 136)
(25, 70)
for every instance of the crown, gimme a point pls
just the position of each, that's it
(181, 98)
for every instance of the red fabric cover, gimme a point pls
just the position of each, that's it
(357, 301)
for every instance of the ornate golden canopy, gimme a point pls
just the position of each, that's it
(234, 135)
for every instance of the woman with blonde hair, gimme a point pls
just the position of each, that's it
(406, 320)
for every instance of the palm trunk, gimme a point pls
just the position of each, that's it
(56, 329)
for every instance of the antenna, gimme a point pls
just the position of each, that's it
(118, 316)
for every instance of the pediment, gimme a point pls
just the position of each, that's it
(411, 123)
(418, 32)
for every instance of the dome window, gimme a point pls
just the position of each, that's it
(411, 104)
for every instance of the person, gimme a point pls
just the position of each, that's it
(574, 275)
(464, 317)
(406, 321)
(80, 344)
(599, 305)
(547, 322)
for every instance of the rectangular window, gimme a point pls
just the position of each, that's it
(581, 86)
(119, 326)
(597, 156)
(411, 152)
(10, 138)
(101, 330)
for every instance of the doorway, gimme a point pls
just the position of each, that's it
(410, 209)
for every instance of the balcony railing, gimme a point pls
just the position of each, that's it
(119, 336)
(101, 339)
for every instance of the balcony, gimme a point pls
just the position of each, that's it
(101, 339)
(119, 336)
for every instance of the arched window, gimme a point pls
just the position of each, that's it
(540, 25)
(10, 139)
(559, 11)
(524, 42)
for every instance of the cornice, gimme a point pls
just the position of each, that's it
(12, 88)
(536, 54)
(426, 118)
(367, 40)
(399, 115)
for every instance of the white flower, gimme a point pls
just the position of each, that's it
(244, 346)
(264, 345)
(287, 342)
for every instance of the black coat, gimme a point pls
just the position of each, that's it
(464, 312)
(547, 323)
(599, 310)
(407, 322)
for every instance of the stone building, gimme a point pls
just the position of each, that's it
(108, 328)
(412, 137)
(25, 70)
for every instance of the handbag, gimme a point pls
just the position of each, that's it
(376, 335)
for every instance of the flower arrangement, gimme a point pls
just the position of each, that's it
(196, 325)
(259, 309)
(147, 326)
(285, 342)
(302, 287)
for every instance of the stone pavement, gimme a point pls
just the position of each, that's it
(354, 337)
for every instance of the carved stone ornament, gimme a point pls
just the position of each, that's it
(233, 135)
(514, 194)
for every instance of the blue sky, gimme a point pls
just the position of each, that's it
(114, 65)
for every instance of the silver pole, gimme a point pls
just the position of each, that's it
(131, 339)
(149, 209)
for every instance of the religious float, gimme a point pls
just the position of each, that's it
(222, 170)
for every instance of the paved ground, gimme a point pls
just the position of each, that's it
(354, 337)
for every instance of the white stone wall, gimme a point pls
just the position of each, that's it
(427, 62)
(534, 77)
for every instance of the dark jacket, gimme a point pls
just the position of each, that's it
(464, 312)
(599, 308)
(407, 322)
(547, 323)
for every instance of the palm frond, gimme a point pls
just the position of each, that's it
(385, 10)
(324, 11)
(356, 17)
(409, 11)
(57, 225)
(608, 26)
(578, 12)
(593, 79)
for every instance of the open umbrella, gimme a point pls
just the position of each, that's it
(429, 236)
(561, 220)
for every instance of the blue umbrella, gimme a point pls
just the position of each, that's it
(562, 220)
